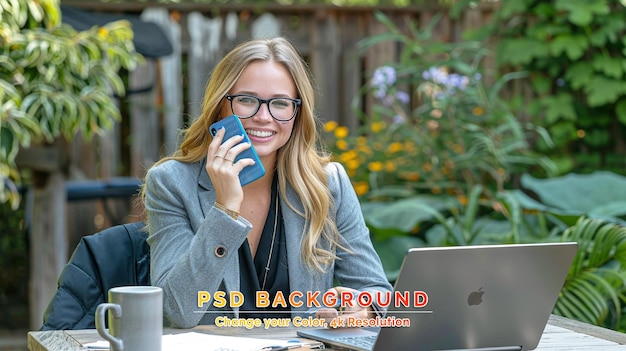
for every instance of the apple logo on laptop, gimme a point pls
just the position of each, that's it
(475, 297)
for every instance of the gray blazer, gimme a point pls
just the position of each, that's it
(193, 245)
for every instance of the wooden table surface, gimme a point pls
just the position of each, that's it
(560, 334)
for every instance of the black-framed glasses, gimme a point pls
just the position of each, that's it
(281, 109)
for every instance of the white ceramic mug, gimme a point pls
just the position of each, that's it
(135, 318)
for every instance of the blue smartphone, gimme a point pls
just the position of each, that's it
(234, 127)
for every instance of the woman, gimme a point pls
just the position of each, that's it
(296, 229)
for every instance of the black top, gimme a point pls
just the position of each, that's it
(253, 270)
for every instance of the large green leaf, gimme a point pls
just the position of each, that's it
(600, 194)
(603, 90)
(611, 66)
(581, 12)
(579, 74)
(609, 30)
(560, 106)
(573, 46)
(402, 216)
(522, 50)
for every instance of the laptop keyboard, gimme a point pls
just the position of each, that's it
(366, 342)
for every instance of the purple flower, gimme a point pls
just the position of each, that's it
(435, 74)
(450, 82)
(397, 119)
(380, 93)
(403, 97)
(383, 79)
(456, 81)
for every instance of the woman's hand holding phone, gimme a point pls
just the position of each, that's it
(232, 161)
(223, 171)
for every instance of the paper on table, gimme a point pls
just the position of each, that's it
(193, 341)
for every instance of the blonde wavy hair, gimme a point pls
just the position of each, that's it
(299, 163)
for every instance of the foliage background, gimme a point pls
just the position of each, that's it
(55, 82)
(574, 53)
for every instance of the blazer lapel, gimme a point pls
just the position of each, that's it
(206, 195)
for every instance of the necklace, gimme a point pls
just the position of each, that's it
(269, 258)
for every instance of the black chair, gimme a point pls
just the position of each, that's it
(117, 256)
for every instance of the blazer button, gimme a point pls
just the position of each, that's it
(220, 251)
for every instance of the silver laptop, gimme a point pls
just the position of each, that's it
(486, 297)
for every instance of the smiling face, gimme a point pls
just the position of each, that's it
(266, 80)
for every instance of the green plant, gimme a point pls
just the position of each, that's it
(427, 220)
(475, 223)
(573, 52)
(54, 81)
(436, 126)
(594, 289)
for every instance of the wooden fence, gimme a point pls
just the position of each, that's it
(327, 38)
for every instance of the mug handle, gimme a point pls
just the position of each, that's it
(116, 310)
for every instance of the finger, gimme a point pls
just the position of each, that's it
(234, 151)
(232, 141)
(241, 164)
(221, 161)
(232, 147)
(216, 142)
